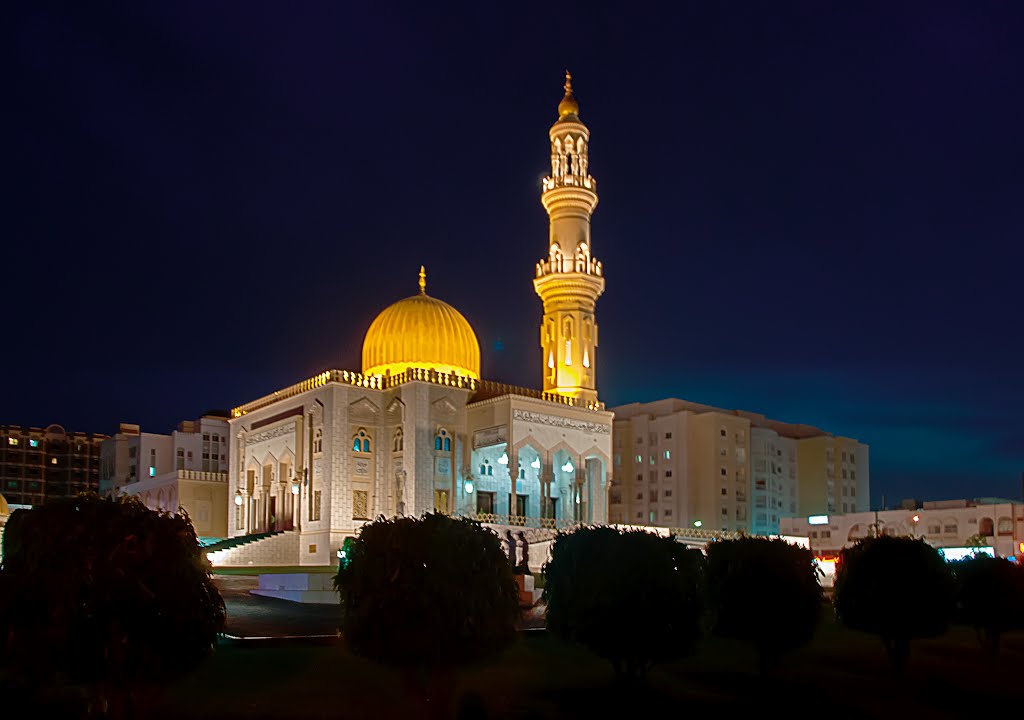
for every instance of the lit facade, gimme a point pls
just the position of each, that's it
(186, 469)
(944, 523)
(418, 430)
(570, 279)
(39, 464)
(685, 465)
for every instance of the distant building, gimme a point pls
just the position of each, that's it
(946, 523)
(683, 464)
(186, 469)
(39, 464)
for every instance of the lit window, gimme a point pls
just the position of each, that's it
(33, 443)
(568, 352)
(668, 454)
(12, 441)
(53, 461)
(586, 359)
(355, 444)
(447, 444)
(152, 471)
(639, 459)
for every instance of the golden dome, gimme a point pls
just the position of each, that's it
(421, 332)
(568, 109)
(4, 508)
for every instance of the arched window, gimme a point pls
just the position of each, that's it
(399, 442)
(443, 441)
(318, 440)
(360, 442)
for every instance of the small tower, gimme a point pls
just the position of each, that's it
(569, 280)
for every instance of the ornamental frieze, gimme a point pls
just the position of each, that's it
(270, 434)
(563, 422)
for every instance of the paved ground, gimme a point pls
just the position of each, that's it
(254, 616)
(251, 616)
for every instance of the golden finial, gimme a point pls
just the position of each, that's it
(568, 108)
(423, 280)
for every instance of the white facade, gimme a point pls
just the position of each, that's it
(774, 470)
(948, 523)
(325, 456)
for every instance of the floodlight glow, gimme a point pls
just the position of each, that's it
(817, 520)
(568, 466)
(535, 464)
(468, 487)
(238, 498)
(295, 488)
(952, 554)
(503, 460)
(697, 523)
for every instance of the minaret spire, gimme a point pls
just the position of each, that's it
(423, 280)
(569, 280)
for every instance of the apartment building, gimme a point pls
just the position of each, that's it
(683, 464)
(39, 464)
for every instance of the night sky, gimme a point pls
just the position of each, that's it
(807, 210)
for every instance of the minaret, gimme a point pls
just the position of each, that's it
(569, 280)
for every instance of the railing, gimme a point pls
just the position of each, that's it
(523, 521)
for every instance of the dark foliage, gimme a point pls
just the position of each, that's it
(990, 597)
(898, 588)
(765, 593)
(427, 592)
(631, 597)
(103, 590)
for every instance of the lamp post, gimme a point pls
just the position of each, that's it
(296, 503)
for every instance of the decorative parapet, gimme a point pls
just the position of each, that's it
(383, 382)
(349, 377)
(488, 389)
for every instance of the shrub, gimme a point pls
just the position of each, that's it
(107, 593)
(990, 597)
(898, 588)
(631, 597)
(765, 593)
(427, 592)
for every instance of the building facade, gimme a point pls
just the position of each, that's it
(39, 464)
(943, 524)
(418, 430)
(686, 465)
(186, 469)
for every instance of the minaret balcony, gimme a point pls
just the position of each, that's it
(568, 265)
(588, 182)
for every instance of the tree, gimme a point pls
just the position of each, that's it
(898, 588)
(765, 593)
(976, 540)
(107, 593)
(633, 598)
(990, 596)
(427, 595)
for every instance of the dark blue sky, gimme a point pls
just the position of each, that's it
(808, 210)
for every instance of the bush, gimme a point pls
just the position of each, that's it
(765, 593)
(631, 597)
(898, 588)
(427, 592)
(106, 592)
(990, 597)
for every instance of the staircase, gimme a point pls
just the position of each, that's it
(276, 548)
(229, 543)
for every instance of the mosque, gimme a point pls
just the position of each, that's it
(419, 430)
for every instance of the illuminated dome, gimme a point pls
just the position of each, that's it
(4, 508)
(568, 109)
(421, 332)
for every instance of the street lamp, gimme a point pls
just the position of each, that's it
(697, 523)
(238, 498)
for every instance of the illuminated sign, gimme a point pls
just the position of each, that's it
(952, 554)
(817, 520)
